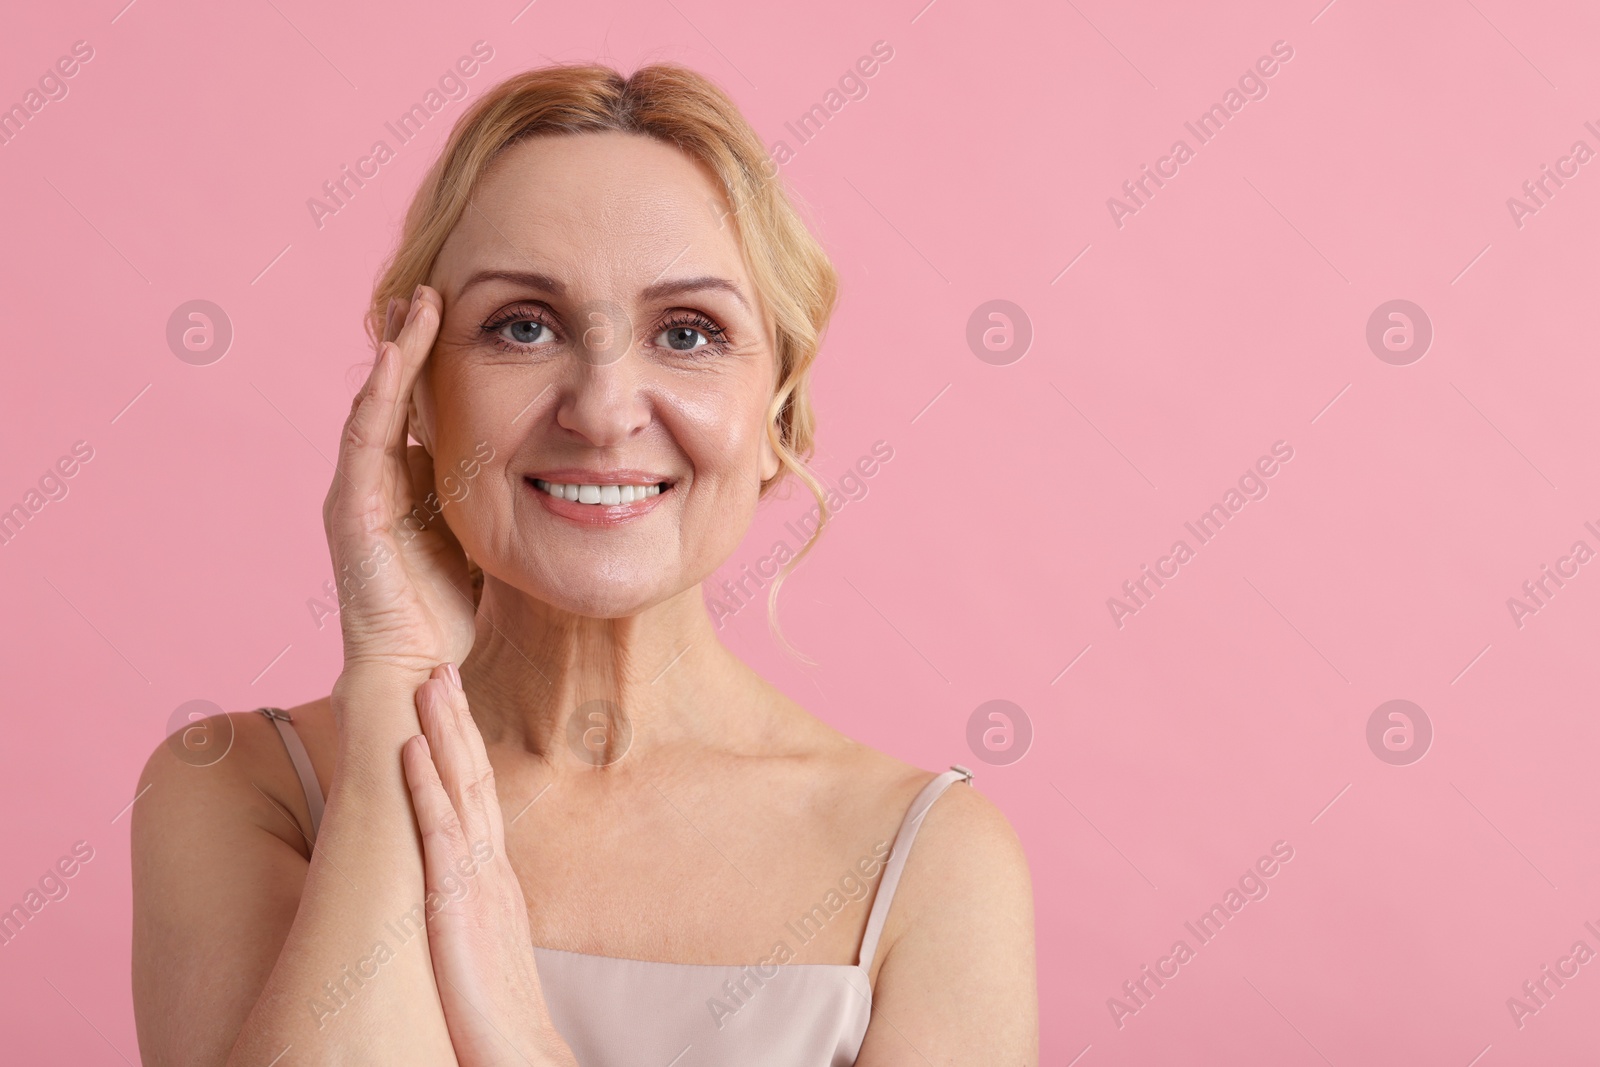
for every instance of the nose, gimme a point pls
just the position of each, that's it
(603, 402)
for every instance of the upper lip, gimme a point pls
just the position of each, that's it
(593, 476)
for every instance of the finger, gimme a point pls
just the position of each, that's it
(415, 341)
(357, 502)
(424, 502)
(478, 757)
(419, 461)
(392, 317)
(430, 514)
(443, 842)
(446, 721)
(474, 774)
(450, 862)
(427, 515)
(376, 428)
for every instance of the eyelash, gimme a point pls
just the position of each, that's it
(716, 336)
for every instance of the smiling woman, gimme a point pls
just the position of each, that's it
(532, 682)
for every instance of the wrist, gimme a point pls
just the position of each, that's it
(360, 681)
(378, 671)
(374, 707)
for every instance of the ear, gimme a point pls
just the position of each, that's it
(770, 464)
(419, 412)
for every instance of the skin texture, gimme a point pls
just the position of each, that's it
(697, 815)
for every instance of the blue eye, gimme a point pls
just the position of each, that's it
(524, 331)
(691, 332)
(519, 328)
(682, 338)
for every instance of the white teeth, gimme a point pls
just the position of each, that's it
(598, 494)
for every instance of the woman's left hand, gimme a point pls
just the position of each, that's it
(477, 920)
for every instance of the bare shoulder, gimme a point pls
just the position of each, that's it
(229, 770)
(956, 969)
(966, 870)
(219, 857)
(965, 857)
(954, 977)
(960, 819)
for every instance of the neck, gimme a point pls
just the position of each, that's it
(584, 692)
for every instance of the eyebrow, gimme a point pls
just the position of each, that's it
(526, 278)
(546, 284)
(694, 285)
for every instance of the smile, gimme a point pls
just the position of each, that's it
(602, 495)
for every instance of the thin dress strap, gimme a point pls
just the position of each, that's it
(897, 858)
(302, 763)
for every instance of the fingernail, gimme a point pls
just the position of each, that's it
(425, 749)
(416, 306)
(455, 675)
(417, 295)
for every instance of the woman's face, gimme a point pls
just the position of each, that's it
(600, 333)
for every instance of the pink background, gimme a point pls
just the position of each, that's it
(1229, 313)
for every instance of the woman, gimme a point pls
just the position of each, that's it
(563, 824)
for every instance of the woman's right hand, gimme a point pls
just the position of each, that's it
(405, 595)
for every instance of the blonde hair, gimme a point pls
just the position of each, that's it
(679, 107)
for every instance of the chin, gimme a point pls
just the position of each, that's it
(603, 603)
(590, 592)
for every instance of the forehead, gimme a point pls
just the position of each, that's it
(603, 210)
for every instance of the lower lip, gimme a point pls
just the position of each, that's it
(596, 514)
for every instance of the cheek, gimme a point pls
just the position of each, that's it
(720, 428)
